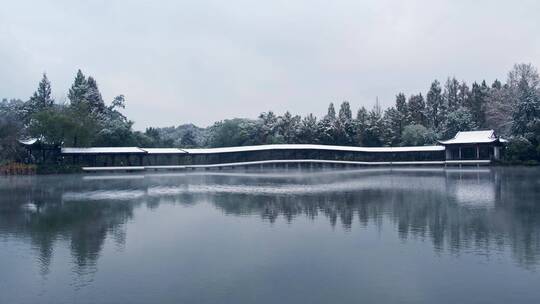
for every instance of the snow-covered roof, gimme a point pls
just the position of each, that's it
(313, 147)
(473, 137)
(102, 150)
(164, 150)
(120, 150)
(29, 141)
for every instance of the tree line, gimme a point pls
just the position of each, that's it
(512, 109)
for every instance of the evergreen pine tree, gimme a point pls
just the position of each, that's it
(308, 130)
(288, 126)
(464, 95)
(374, 127)
(42, 99)
(392, 127)
(496, 84)
(450, 94)
(345, 113)
(402, 108)
(360, 124)
(93, 96)
(417, 108)
(79, 89)
(434, 105)
(476, 106)
(345, 130)
(331, 114)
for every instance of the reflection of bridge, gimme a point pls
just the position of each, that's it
(469, 186)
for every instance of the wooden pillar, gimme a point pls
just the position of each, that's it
(459, 149)
(477, 152)
(496, 152)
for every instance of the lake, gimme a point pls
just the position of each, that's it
(377, 235)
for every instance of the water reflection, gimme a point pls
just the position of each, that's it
(480, 209)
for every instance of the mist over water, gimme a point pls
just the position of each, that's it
(373, 235)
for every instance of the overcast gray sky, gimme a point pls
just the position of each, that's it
(206, 60)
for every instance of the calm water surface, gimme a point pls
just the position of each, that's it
(370, 236)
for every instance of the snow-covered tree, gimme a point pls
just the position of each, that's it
(93, 96)
(331, 113)
(308, 130)
(374, 127)
(415, 135)
(434, 105)
(345, 113)
(477, 103)
(498, 106)
(188, 139)
(459, 120)
(417, 108)
(42, 96)
(288, 126)
(392, 121)
(41, 100)
(267, 127)
(463, 95)
(79, 88)
(344, 126)
(527, 108)
(361, 124)
(523, 72)
(450, 95)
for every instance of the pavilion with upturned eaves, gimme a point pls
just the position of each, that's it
(471, 145)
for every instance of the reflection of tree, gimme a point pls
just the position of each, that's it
(39, 214)
(438, 206)
(450, 223)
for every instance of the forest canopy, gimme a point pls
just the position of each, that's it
(511, 108)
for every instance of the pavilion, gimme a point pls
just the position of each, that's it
(471, 145)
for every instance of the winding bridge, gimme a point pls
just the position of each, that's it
(466, 148)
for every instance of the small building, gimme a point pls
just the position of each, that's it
(38, 151)
(471, 145)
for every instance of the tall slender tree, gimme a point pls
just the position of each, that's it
(451, 89)
(417, 108)
(93, 96)
(392, 127)
(477, 104)
(527, 109)
(374, 127)
(79, 89)
(434, 105)
(361, 126)
(331, 113)
(463, 95)
(42, 99)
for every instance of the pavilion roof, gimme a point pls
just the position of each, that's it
(473, 137)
